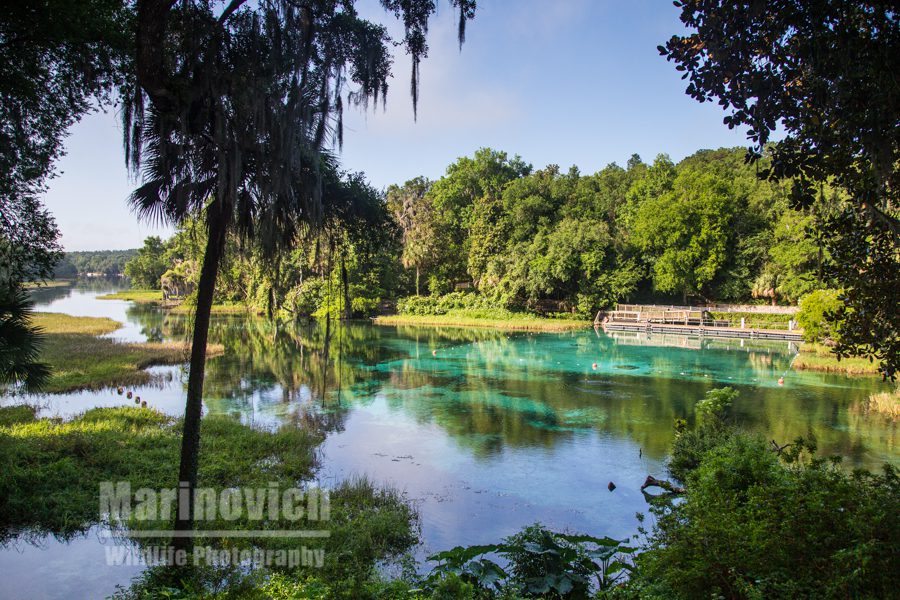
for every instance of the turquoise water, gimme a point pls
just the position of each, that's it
(484, 431)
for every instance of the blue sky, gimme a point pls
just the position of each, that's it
(570, 82)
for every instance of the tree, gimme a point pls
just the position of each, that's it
(228, 117)
(56, 57)
(19, 341)
(686, 232)
(146, 268)
(823, 72)
(414, 212)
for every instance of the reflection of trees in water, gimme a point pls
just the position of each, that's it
(152, 321)
(490, 390)
(46, 295)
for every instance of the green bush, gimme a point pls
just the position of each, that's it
(751, 526)
(817, 315)
(711, 431)
(452, 302)
(306, 298)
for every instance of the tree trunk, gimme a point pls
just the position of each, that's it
(190, 439)
(417, 281)
(345, 282)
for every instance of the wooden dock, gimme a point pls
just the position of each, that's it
(700, 330)
(683, 320)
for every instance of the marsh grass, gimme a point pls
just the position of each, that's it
(465, 318)
(81, 361)
(136, 296)
(59, 323)
(884, 404)
(818, 357)
(53, 468)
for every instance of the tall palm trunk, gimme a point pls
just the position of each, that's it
(345, 284)
(190, 440)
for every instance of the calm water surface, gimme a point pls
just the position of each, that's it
(485, 431)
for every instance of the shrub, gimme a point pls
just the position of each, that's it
(452, 302)
(711, 431)
(817, 314)
(306, 298)
(751, 526)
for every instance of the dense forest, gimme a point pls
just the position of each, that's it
(495, 233)
(106, 263)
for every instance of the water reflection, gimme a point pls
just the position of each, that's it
(492, 391)
(489, 431)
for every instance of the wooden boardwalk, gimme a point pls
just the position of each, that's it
(683, 320)
(700, 330)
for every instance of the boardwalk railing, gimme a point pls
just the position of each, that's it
(749, 308)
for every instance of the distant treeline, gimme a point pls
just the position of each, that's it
(515, 238)
(106, 263)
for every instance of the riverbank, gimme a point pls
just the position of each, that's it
(522, 323)
(155, 297)
(79, 360)
(136, 296)
(53, 283)
(818, 357)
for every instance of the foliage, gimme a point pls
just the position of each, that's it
(147, 266)
(20, 341)
(29, 241)
(554, 241)
(817, 314)
(441, 305)
(751, 526)
(687, 231)
(866, 263)
(542, 564)
(711, 430)
(819, 71)
(56, 59)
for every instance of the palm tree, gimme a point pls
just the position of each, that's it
(228, 117)
(19, 341)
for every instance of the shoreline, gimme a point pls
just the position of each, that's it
(516, 324)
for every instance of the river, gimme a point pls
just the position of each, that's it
(485, 431)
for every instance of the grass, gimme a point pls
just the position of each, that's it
(79, 360)
(136, 296)
(884, 404)
(59, 323)
(517, 322)
(53, 469)
(818, 357)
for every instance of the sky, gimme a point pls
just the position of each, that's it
(566, 82)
